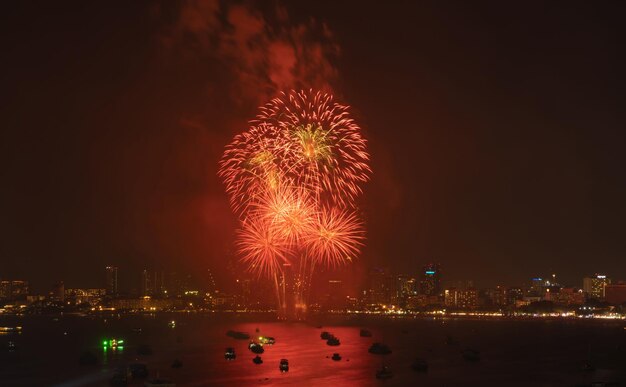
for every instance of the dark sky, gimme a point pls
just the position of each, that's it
(496, 131)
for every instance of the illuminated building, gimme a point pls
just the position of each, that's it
(565, 296)
(461, 298)
(58, 291)
(498, 296)
(335, 299)
(430, 281)
(152, 283)
(13, 289)
(382, 287)
(82, 296)
(111, 280)
(594, 286)
(513, 295)
(615, 294)
(406, 287)
(537, 286)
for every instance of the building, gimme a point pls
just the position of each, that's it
(382, 287)
(57, 292)
(111, 281)
(513, 295)
(82, 296)
(405, 287)
(13, 289)
(565, 296)
(461, 298)
(594, 285)
(152, 283)
(615, 294)
(430, 280)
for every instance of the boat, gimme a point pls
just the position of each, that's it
(451, 341)
(238, 335)
(172, 324)
(420, 365)
(336, 356)
(177, 363)
(11, 346)
(284, 365)
(267, 340)
(119, 379)
(333, 341)
(16, 329)
(159, 383)
(379, 349)
(229, 354)
(325, 335)
(365, 333)
(471, 355)
(138, 370)
(257, 360)
(588, 367)
(384, 373)
(137, 330)
(256, 348)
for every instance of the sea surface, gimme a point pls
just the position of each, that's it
(512, 352)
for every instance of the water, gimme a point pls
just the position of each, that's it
(513, 353)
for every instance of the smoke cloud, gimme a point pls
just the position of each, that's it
(259, 50)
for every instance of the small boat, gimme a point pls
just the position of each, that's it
(229, 354)
(238, 335)
(119, 379)
(365, 333)
(325, 335)
(379, 349)
(333, 341)
(256, 348)
(451, 341)
(588, 367)
(257, 360)
(11, 346)
(471, 355)
(138, 370)
(159, 383)
(172, 324)
(137, 330)
(420, 365)
(384, 373)
(336, 356)
(267, 340)
(284, 365)
(177, 363)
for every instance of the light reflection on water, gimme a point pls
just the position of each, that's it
(513, 353)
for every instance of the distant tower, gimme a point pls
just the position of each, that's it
(111, 277)
(595, 285)
(430, 281)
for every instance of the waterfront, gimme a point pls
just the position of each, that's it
(512, 352)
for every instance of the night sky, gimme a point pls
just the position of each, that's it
(496, 132)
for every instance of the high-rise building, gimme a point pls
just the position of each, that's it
(111, 278)
(14, 289)
(464, 299)
(430, 280)
(152, 283)
(615, 294)
(594, 286)
(382, 287)
(406, 286)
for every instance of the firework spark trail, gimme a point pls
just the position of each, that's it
(293, 178)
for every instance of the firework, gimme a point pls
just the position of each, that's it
(335, 238)
(293, 178)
